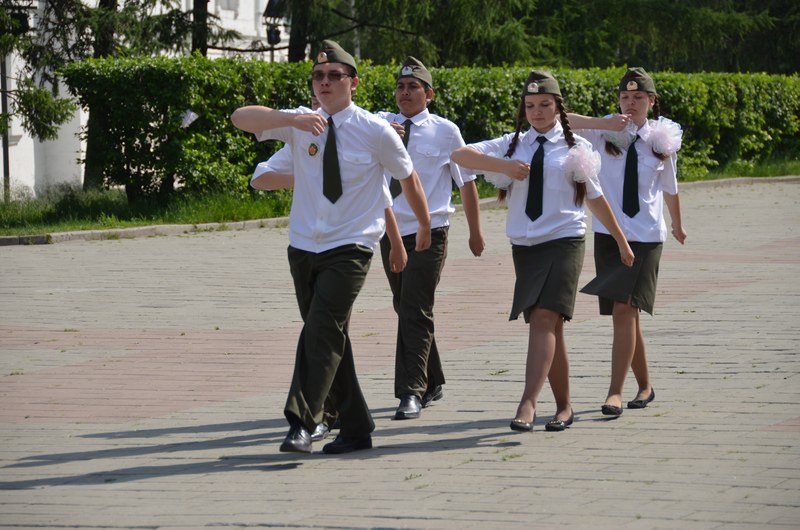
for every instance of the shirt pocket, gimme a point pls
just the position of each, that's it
(354, 164)
(649, 167)
(429, 151)
(554, 177)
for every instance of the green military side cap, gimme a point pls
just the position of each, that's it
(541, 82)
(331, 52)
(413, 67)
(636, 79)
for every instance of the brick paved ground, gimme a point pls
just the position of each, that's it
(142, 383)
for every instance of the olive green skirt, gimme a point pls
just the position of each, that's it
(617, 283)
(547, 276)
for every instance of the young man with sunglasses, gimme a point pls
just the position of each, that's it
(333, 233)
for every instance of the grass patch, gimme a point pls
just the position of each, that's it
(67, 208)
(768, 168)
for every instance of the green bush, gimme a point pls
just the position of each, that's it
(727, 118)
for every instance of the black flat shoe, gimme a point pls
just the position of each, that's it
(344, 444)
(522, 426)
(642, 403)
(298, 440)
(611, 410)
(555, 425)
(432, 394)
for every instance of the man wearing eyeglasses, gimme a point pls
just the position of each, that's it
(332, 238)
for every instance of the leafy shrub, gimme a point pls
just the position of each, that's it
(727, 118)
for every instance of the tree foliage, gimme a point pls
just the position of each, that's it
(677, 35)
(66, 31)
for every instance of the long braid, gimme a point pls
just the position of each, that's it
(580, 187)
(501, 194)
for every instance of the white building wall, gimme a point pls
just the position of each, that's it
(36, 166)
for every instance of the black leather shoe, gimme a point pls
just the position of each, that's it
(522, 425)
(555, 425)
(320, 432)
(611, 410)
(432, 394)
(409, 408)
(642, 403)
(298, 440)
(343, 444)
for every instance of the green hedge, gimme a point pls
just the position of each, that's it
(725, 117)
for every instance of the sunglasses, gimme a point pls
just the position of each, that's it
(333, 76)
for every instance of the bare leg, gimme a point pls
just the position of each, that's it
(639, 364)
(541, 350)
(625, 317)
(559, 375)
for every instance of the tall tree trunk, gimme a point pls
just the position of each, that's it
(200, 26)
(97, 124)
(298, 36)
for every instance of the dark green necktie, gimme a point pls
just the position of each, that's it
(331, 177)
(394, 184)
(536, 182)
(630, 186)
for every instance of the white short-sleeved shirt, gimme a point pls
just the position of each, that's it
(280, 162)
(561, 217)
(430, 144)
(655, 177)
(367, 146)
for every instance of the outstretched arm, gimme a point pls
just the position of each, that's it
(255, 119)
(271, 180)
(473, 159)
(617, 122)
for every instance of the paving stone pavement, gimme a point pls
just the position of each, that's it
(142, 384)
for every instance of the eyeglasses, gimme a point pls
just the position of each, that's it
(319, 75)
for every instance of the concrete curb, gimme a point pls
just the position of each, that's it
(171, 230)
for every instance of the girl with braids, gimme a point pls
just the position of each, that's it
(548, 173)
(638, 176)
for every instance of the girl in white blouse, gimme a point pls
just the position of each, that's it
(640, 159)
(546, 228)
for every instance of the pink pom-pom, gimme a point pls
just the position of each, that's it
(665, 136)
(582, 163)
